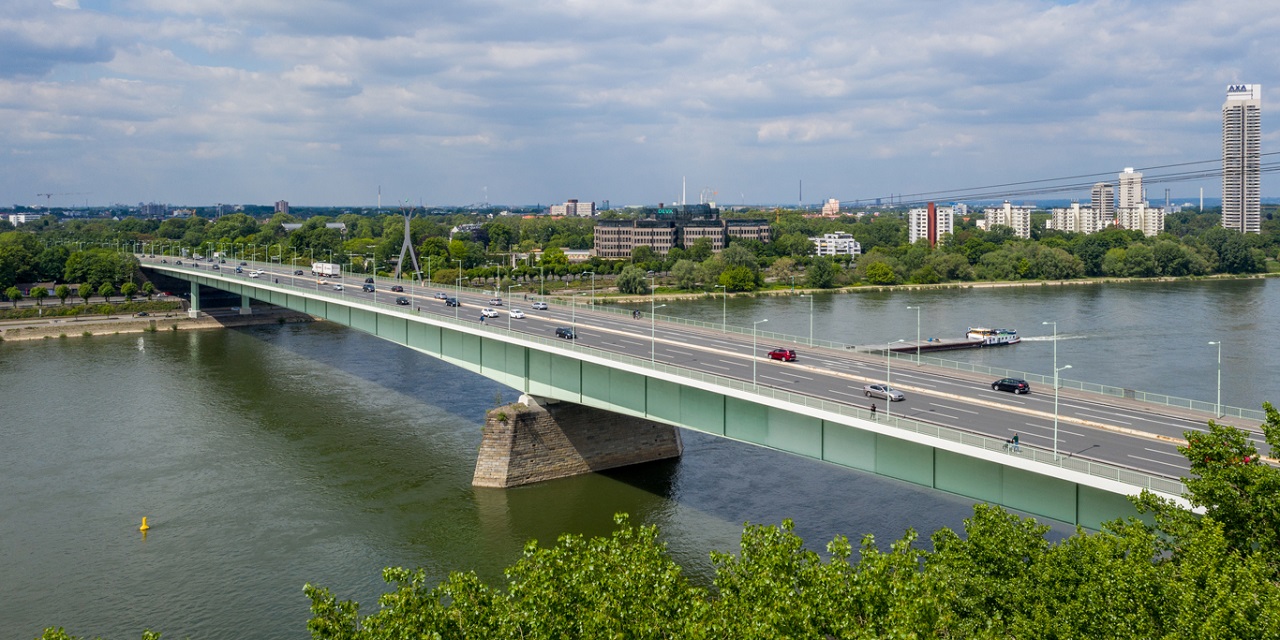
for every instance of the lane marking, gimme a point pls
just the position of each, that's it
(1176, 466)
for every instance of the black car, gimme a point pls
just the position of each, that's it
(297, 272)
(452, 302)
(244, 264)
(368, 288)
(215, 267)
(222, 261)
(369, 280)
(397, 289)
(566, 332)
(402, 301)
(1011, 384)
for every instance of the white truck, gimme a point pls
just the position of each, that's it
(326, 269)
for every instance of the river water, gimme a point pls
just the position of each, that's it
(269, 457)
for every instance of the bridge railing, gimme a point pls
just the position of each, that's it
(1093, 468)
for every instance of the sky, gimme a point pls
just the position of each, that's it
(326, 102)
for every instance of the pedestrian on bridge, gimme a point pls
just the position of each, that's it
(873, 411)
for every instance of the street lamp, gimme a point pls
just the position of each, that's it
(888, 374)
(754, 355)
(917, 308)
(724, 308)
(653, 333)
(593, 286)
(1056, 369)
(1217, 408)
(810, 297)
(542, 284)
(510, 301)
(457, 298)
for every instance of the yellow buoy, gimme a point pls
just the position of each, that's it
(144, 526)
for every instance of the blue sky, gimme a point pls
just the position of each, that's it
(324, 101)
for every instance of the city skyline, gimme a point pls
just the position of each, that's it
(193, 103)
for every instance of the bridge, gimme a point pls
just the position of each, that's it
(616, 394)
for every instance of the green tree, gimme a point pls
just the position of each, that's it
(63, 292)
(685, 274)
(821, 273)
(128, 290)
(14, 294)
(85, 291)
(632, 281)
(740, 278)
(39, 293)
(148, 289)
(106, 291)
(880, 273)
(700, 250)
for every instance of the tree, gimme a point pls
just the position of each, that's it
(14, 294)
(85, 291)
(700, 250)
(106, 291)
(685, 273)
(63, 292)
(881, 273)
(738, 278)
(128, 290)
(39, 293)
(632, 281)
(148, 289)
(821, 274)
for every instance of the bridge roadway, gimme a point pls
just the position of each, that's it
(1121, 432)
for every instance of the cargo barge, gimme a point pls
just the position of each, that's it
(975, 338)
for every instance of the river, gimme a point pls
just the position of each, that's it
(269, 457)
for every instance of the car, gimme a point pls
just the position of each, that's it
(177, 262)
(489, 313)
(244, 264)
(402, 301)
(452, 302)
(222, 261)
(497, 302)
(254, 274)
(215, 267)
(397, 289)
(337, 287)
(785, 355)
(516, 313)
(540, 305)
(883, 391)
(1015, 385)
(440, 295)
(163, 261)
(566, 332)
(367, 288)
(369, 280)
(296, 272)
(142, 314)
(239, 269)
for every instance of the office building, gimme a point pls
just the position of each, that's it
(282, 206)
(831, 208)
(665, 228)
(1242, 158)
(574, 208)
(1017, 218)
(1131, 194)
(1103, 199)
(929, 223)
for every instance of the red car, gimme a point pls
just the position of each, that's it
(785, 355)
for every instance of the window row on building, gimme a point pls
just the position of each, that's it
(666, 228)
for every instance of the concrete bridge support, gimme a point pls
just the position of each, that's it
(245, 309)
(536, 440)
(194, 310)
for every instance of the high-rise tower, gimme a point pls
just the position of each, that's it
(1242, 158)
(1131, 188)
(1103, 199)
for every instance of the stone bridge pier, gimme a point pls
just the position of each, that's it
(537, 439)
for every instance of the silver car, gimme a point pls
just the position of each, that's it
(883, 391)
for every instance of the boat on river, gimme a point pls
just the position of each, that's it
(975, 338)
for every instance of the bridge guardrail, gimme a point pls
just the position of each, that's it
(1093, 468)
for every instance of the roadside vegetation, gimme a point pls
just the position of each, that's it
(1184, 576)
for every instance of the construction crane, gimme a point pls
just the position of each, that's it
(49, 196)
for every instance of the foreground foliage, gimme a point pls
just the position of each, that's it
(1185, 576)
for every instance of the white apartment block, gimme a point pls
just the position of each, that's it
(574, 208)
(1077, 219)
(929, 223)
(960, 209)
(1103, 199)
(831, 208)
(1242, 158)
(16, 219)
(1131, 194)
(1018, 218)
(836, 244)
(1148, 220)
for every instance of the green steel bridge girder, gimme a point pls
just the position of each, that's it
(560, 372)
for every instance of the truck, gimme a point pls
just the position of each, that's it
(326, 269)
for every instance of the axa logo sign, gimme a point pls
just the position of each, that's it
(1237, 88)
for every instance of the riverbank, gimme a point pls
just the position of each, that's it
(47, 328)
(867, 288)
